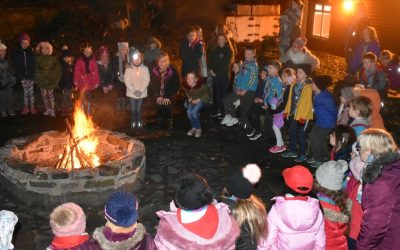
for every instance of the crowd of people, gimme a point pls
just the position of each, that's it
(352, 202)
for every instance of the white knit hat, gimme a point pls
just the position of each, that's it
(330, 175)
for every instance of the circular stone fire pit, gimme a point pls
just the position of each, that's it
(27, 169)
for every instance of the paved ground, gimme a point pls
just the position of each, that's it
(170, 154)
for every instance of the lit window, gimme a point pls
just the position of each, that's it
(322, 20)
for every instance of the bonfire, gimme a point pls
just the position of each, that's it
(80, 151)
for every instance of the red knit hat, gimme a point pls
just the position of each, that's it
(298, 178)
(24, 36)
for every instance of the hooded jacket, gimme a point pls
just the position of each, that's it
(137, 240)
(295, 224)
(137, 79)
(172, 235)
(48, 72)
(83, 80)
(381, 203)
(325, 110)
(304, 108)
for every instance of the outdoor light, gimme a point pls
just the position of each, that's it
(348, 5)
(398, 69)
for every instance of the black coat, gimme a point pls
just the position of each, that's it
(220, 59)
(190, 57)
(24, 64)
(171, 84)
(67, 75)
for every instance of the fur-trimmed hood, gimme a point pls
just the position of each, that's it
(373, 170)
(130, 243)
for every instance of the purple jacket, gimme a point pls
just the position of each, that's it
(136, 240)
(356, 60)
(393, 75)
(380, 227)
(171, 235)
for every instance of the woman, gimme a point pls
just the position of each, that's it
(381, 191)
(164, 83)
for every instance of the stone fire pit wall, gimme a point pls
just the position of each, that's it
(47, 186)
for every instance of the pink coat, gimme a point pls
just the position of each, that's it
(171, 235)
(83, 80)
(295, 225)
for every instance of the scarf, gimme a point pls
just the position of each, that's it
(86, 60)
(165, 75)
(69, 241)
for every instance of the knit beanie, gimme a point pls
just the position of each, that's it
(240, 182)
(24, 36)
(3, 46)
(192, 192)
(121, 209)
(347, 93)
(298, 178)
(300, 42)
(306, 68)
(68, 219)
(322, 81)
(123, 45)
(330, 175)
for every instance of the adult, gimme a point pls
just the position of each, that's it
(119, 63)
(164, 83)
(381, 191)
(352, 36)
(299, 54)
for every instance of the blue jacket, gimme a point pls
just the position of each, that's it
(273, 88)
(247, 78)
(325, 110)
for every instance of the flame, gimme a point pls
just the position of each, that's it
(83, 134)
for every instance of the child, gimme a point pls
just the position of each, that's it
(231, 101)
(219, 61)
(295, 221)
(198, 96)
(152, 52)
(272, 94)
(376, 120)
(346, 94)
(325, 119)
(352, 186)
(7, 81)
(360, 111)
(195, 222)
(246, 86)
(119, 63)
(203, 71)
(373, 75)
(106, 73)
(68, 223)
(247, 208)
(122, 231)
(288, 77)
(392, 67)
(299, 111)
(137, 79)
(8, 220)
(47, 75)
(341, 139)
(369, 43)
(24, 64)
(299, 54)
(328, 183)
(67, 78)
(86, 77)
(191, 51)
(164, 81)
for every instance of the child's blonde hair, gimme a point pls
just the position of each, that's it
(290, 73)
(378, 141)
(252, 211)
(386, 54)
(372, 33)
(363, 105)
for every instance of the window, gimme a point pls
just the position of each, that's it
(322, 20)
